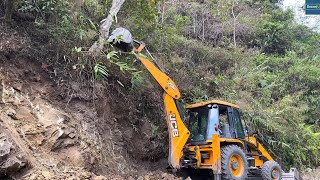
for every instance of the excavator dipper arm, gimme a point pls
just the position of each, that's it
(178, 132)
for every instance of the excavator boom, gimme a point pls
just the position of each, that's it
(162, 79)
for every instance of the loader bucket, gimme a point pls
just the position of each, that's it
(122, 39)
(293, 174)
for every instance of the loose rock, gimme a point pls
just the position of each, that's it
(100, 178)
(146, 177)
(46, 175)
(164, 175)
(13, 165)
(85, 175)
(5, 148)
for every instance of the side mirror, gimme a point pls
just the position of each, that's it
(248, 131)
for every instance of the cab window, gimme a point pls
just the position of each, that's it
(198, 120)
(237, 124)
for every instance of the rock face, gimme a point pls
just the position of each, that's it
(10, 161)
(35, 130)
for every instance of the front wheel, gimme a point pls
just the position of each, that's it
(233, 163)
(271, 170)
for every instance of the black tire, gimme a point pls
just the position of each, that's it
(228, 153)
(197, 174)
(271, 170)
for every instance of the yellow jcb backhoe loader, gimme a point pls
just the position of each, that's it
(211, 141)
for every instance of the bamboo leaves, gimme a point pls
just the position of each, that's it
(100, 71)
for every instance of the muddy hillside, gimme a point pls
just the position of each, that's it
(56, 125)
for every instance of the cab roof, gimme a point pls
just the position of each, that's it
(191, 106)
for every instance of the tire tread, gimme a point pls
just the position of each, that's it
(266, 169)
(226, 151)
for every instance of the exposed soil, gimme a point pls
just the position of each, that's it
(57, 124)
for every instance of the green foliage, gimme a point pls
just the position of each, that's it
(136, 80)
(306, 42)
(96, 9)
(140, 17)
(124, 67)
(100, 71)
(273, 35)
(112, 55)
(70, 32)
(156, 131)
(277, 93)
(45, 9)
(159, 31)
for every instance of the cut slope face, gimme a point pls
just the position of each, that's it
(45, 142)
(36, 130)
(58, 126)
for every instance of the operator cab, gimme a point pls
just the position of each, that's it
(214, 117)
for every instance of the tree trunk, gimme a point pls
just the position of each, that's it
(9, 8)
(234, 25)
(163, 11)
(97, 47)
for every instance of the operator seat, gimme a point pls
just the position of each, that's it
(225, 131)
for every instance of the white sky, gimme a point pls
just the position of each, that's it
(297, 6)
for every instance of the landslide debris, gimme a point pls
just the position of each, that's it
(11, 159)
(37, 140)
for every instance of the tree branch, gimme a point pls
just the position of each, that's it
(106, 23)
(234, 25)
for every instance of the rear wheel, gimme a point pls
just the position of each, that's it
(271, 170)
(233, 163)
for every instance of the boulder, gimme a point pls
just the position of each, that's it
(100, 178)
